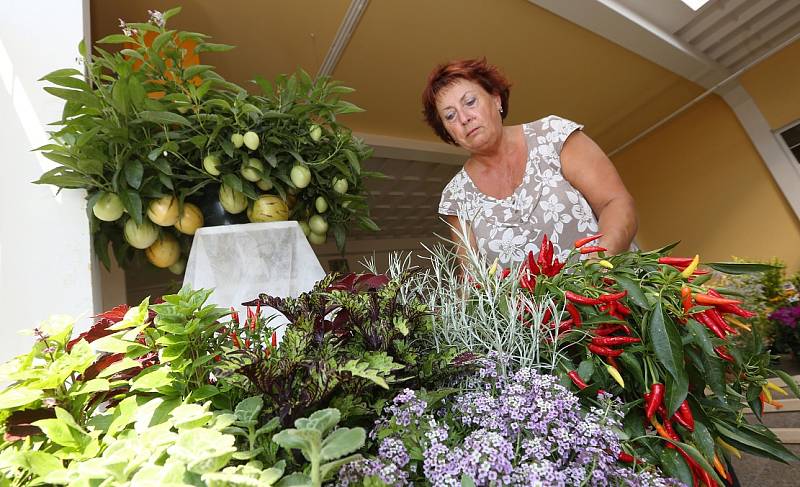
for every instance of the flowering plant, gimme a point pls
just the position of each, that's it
(787, 320)
(643, 326)
(520, 430)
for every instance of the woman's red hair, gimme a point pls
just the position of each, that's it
(475, 70)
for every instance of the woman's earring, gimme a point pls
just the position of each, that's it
(500, 109)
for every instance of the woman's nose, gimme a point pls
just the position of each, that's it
(464, 118)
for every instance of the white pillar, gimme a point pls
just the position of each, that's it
(45, 248)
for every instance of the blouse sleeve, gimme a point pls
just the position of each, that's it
(452, 196)
(558, 130)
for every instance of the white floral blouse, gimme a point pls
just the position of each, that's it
(545, 202)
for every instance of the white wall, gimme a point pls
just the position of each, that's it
(45, 254)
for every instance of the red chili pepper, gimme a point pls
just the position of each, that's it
(234, 315)
(585, 240)
(592, 249)
(576, 379)
(670, 431)
(718, 320)
(723, 354)
(656, 398)
(565, 326)
(686, 299)
(684, 416)
(246, 343)
(274, 339)
(607, 329)
(574, 314)
(731, 308)
(621, 308)
(607, 298)
(680, 261)
(625, 457)
(527, 280)
(235, 339)
(708, 300)
(604, 351)
(613, 341)
(579, 299)
(217, 358)
(704, 319)
(505, 273)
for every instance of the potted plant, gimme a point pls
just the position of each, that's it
(154, 136)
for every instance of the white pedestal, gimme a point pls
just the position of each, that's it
(241, 261)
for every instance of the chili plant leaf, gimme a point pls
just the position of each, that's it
(666, 342)
(741, 267)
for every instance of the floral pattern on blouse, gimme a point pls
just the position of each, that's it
(545, 202)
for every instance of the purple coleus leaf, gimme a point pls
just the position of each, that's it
(18, 425)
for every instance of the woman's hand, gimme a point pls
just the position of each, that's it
(591, 172)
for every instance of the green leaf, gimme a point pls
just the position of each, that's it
(715, 375)
(249, 409)
(765, 446)
(152, 379)
(161, 39)
(343, 107)
(19, 396)
(295, 480)
(789, 381)
(136, 92)
(65, 178)
(42, 463)
(91, 166)
(212, 47)
(61, 73)
(586, 369)
(368, 224)
(675, 466)
(666, 342)
(700, 336)
(163, 118)
(116, 39)
(133, 173)
(132, 202)
(123, 364)
(741, 267)
(327, 470)
(634, 291)
(94, 385)
(232, 181)
(342, 442)
(193, 71)
(353, 159)
(171, 13)
(702, 436)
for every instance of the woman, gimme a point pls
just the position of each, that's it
(522, 182)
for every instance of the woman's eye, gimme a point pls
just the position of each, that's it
(471, 102)
(449, 116)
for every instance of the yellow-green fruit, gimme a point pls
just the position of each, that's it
(163, 211)
(304, 227)
(316, 238)
(251, 140)
(164, 252)
(237, 140)
(315, 132)
(340, 185)
(320, 204)
(178, 267)
(265, 184)
(211, 164)
(300, 175)
(190, 220)
(108, 207)
(252, 170)
(268, 208)
(318, 224)
(233, 201)
(140, 236)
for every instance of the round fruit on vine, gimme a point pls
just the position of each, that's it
(268, 208)
(190, 220)
(316, 238)
(108, 207)
(318, 224)
(232, 201)
(163, 211)
(265, 184)
(211, 164)
(251, 140)
(164, 252)
(321, 204)
(237, 140)
(340, 185)
(252, 169)
(315, 132)
(304, 227)
(300, 175)
(178, 267)
(140, 236)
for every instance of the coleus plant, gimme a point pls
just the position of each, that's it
(643, 326)
(347, 341)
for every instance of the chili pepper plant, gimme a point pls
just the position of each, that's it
(643, 326)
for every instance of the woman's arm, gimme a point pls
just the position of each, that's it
(591, 172)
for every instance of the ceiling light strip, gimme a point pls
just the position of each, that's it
(343, 35)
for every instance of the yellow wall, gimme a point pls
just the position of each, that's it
(699, 179)
(774, 84)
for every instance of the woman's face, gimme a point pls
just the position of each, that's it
(470, 114)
